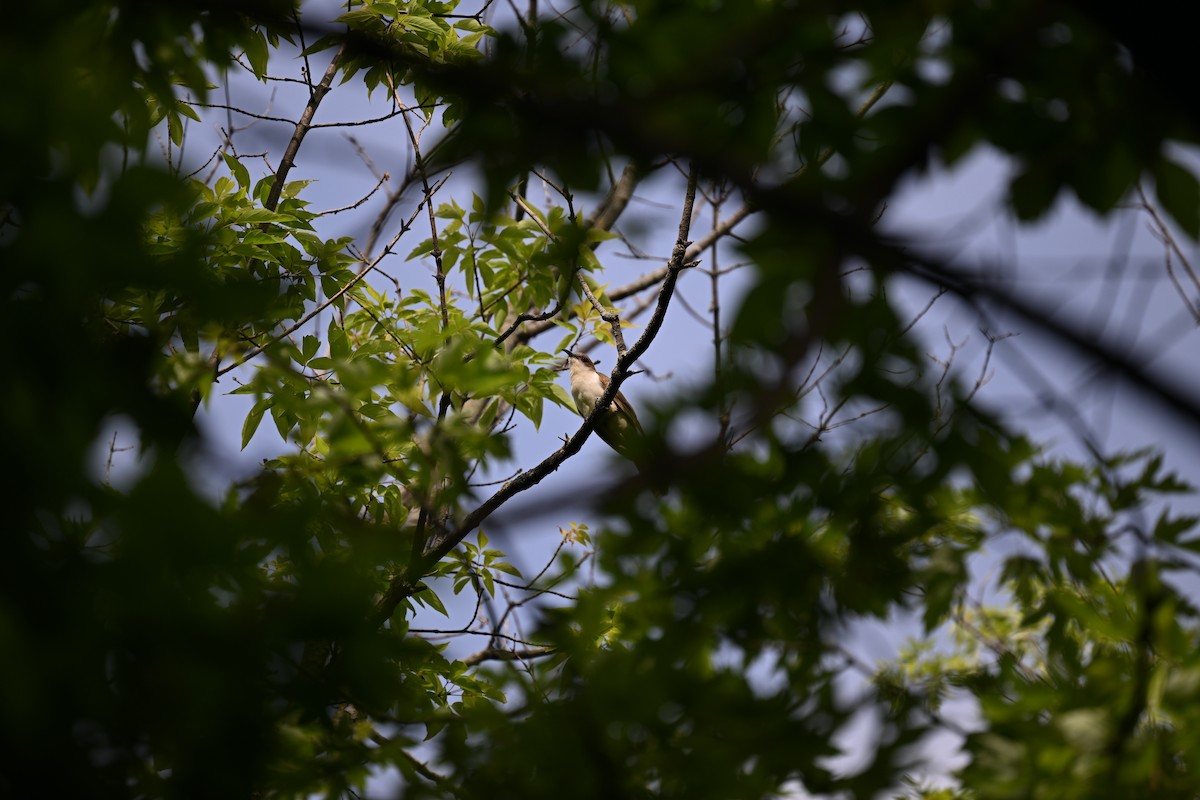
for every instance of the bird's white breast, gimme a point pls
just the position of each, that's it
(586, 389)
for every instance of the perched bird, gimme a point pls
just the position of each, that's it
(619, 426)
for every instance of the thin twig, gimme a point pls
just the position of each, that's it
(1163, 234)
(358, 202)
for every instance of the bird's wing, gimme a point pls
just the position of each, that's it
(619, 402)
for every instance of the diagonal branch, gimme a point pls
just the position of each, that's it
(303, 126)
(614, 203)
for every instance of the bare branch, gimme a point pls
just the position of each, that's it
(611, 207)
(500, 654)
(1163, 233)
(302, 128)
(358, 202)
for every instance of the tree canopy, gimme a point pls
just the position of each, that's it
(687, 632)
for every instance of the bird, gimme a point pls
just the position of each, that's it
(618, 426)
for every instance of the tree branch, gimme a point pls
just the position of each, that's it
(500, 654)
(302, 128)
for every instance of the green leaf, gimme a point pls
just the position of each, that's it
(504, 566)
(324, 43)
(423, 25)
(598, 235)
(187, 111)
(284, 418)
(1032, 193)
(257, 51)
(531, 405)
(253, 419)
(257, 215)
(1179, 192)
(339, 345)
(430, 598)
(560, 395)
(175, 129)
(308, 348)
